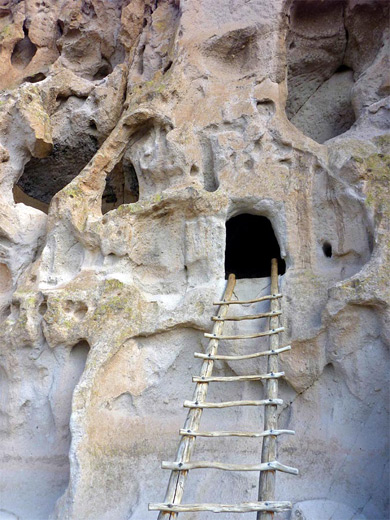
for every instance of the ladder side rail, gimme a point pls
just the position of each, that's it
(175, 489)
(269, 449)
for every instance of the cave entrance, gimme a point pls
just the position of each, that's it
(250, 245)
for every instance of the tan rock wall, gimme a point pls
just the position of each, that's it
(142, 127)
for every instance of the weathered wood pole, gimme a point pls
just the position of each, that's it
(177, 480)
(268, 452)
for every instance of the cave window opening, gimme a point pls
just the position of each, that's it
(327, 249)
(250, 246)
(343, 68)
(121, 187)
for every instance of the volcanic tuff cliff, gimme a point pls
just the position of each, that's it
(131, 131)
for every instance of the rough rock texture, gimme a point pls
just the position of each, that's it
(131, 131)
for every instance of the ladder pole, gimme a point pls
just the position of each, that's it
(177, 479)
(268, 453)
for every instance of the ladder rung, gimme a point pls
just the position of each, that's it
(240, 302)
(245, 507)
(246, 336)
(248, 316)
(265, 466)
(228, 404)
(191, 433)
(228, 379)
(245, 356)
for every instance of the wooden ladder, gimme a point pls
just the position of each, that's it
(266, 506)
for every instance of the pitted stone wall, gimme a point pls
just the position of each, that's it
(128, 138)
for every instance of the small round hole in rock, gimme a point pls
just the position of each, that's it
(327, 249)
(103, 71)
(42, 308)
(80, 310)
(194, 170)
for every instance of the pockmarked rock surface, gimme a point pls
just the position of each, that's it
(130, 132)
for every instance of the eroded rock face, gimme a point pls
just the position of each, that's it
(130, 133)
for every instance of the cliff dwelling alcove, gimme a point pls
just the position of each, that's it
(43, 177)
(319, 80)
(121, 186)
(334, 49)
(250, 245)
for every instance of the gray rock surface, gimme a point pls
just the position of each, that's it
(130, 132)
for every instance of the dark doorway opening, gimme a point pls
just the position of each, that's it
(250, 246)
(121, 187)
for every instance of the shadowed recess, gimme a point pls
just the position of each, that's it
(68, 376)
(250, 246)
(319, 82)
(44, 177)
(24, 50)
(121, 187)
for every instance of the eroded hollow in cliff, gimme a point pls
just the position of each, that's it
(331, 47)
(69, 374)
(5, 291)
(319, 78)
(250, 246)
(24, 50)
(121, 186)
(43, 177)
